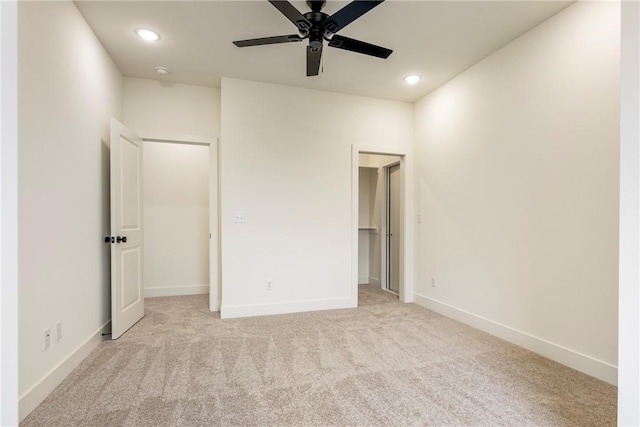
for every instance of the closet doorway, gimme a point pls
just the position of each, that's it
(380, 222)
(180, 214)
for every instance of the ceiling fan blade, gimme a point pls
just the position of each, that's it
(359, 46)
(292, 14)
(268, 40)
(348, 14)
(313, 60)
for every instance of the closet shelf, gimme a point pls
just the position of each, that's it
(374, 229)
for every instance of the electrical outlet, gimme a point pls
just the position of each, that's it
(433, 282)
(58, 331)
(269, 285)
(239, 217)
(419, 218)
(47, 338)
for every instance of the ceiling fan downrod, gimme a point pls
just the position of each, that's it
(316, 5)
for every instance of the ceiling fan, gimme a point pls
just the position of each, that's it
(318, 26)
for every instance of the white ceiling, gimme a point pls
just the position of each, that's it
(435, 39)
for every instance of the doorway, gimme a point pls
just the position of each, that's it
(176, 218)
(380, 232)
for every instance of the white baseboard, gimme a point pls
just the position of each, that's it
(39, 392)
(581, 362)
(363, 280)
(173, 291)
(227, 312)
(375, 281)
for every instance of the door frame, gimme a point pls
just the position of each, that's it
(215, 293)
(406, 222)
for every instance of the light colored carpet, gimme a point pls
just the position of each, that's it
(384, 363)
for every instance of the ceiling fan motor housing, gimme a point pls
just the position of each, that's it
(317, 30)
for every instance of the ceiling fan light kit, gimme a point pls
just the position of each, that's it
(317, 27)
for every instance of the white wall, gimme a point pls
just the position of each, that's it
(517, 181)
(8, 214)
(152, 107)
(68, 90)
(364, 203)
(176, 219)
(286, 163)
(629, 317)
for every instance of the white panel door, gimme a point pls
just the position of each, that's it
(127, 297)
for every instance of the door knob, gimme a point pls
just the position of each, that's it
(121, 239)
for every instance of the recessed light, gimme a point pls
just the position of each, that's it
(412, 79)
(148, 35)
(162, 71)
